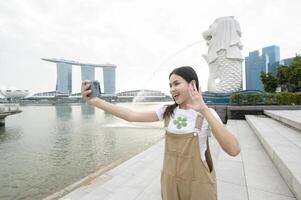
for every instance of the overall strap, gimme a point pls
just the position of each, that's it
(198, 125)
(199, 121)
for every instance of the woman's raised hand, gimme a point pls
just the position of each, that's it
(197, 102)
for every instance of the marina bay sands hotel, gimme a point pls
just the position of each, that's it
(64, 75)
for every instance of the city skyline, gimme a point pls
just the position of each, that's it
(144, 39)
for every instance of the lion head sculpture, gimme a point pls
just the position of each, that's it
(224, 34)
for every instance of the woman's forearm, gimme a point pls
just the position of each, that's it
(224, 137)
(118, 111)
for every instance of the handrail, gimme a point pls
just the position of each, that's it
(9, 107)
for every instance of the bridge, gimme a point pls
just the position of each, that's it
(6, 110)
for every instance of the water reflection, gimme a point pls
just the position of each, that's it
(9, 134)
(63, 111)
(87, 109)
(109, 143)
(108, 117)
(63, 135)
(2, 130)
(61, 147)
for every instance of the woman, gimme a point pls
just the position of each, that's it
(188, 172)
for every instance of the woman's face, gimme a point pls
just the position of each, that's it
(179, 89)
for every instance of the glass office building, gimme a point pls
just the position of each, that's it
(255, 63)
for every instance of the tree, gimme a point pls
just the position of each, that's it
(295, 75)
(269, 81)
(289, 77)
(283, 74)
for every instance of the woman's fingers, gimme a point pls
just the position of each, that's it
(85, 86)
(190, 90)
(85, 90)
(194, 88)
(84, 82)
(86, 93)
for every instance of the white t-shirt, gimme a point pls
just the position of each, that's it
(183, 121)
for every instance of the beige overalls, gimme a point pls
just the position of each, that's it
(185, 176)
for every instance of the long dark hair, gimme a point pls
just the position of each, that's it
(188, 74)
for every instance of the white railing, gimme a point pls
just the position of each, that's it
(9, 108)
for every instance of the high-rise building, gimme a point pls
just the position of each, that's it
(255, 63)
(64, 75)
(109, 80)
(287, 61)
(88, 72)
(64, 78)
(274, 57)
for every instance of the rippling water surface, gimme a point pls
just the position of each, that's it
(46, 148)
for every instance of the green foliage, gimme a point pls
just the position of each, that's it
(282, 98)
(269, 81)
(269, 99)
(289, 77)
(246, 99)
(282, 74)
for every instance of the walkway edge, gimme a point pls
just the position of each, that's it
(89, 179)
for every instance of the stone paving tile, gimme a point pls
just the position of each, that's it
(231, 172)
(229, 191)
(266, 178)
(256, 194)
(290, 117)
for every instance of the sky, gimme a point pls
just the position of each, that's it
(145, 39)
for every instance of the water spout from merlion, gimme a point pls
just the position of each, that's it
(140, 97)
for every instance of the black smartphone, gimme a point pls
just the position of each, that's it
(95, 89)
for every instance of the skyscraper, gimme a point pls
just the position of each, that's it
(64, 78)
(287, 61)
(274, 57)
(88, 72)
(255, 63)
(109, 80)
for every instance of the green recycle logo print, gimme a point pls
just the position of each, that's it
(180, 122)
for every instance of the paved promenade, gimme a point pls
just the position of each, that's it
(251, 175)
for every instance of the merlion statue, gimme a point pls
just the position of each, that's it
(224, 57)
